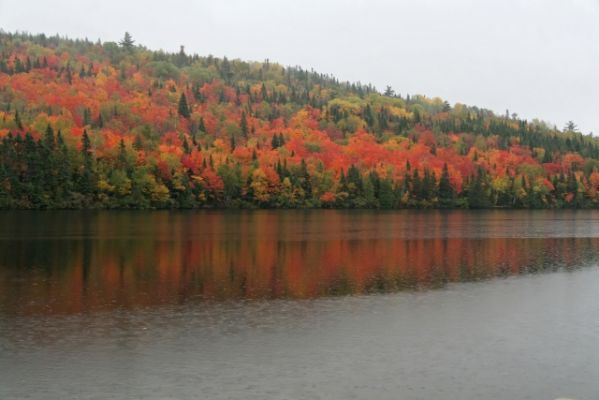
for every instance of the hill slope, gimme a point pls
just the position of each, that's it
(108, 125)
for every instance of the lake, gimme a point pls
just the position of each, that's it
(321, 304)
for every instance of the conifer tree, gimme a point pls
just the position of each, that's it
(306, 180)
(275, 143)
(127, 42)
(244, 125)
(446, 192)
(183, 108)
(386, 196)
(477, 195)
(64, 176)
(87, 178)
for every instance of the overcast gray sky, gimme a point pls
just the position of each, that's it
(539, 58)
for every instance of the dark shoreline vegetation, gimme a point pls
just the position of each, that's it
(115, 125)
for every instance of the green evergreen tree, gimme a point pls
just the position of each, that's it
(183, 108)
(64, 175)
(386, 194)
(18, 120)
(87, 178)
(275, 143)
(416, 189)
(33, 177)
(477, 195)
(446, 191)
(202, 126)
(244, 125)
(127, 42)
(306, 181)
(369, 116)
(122, 157)
(354, 182)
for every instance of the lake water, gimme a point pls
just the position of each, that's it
(299, 305)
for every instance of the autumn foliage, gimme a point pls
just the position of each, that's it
(110, 125)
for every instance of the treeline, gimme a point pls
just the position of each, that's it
(114, 125)
(46, 174)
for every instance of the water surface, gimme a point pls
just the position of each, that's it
(299, 305)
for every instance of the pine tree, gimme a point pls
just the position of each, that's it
(18, 120)
(477, 195)
(33, 177)
(10, 158)
(369, 116)
(87, 177)
(19, 68)
(87, 116)
(416, 190)
(386, 196)
(127, 42)
(100, 121)
(122, 158)
(264, 93)
(275, 143)
(64, 176)
(186, 147)
(306, 181)
(446, 192)
(572, 188)
(244, 125)
(183, 108)
(354, 181)
(343, 183)
(49, 140)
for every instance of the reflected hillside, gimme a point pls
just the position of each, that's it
(77, 262)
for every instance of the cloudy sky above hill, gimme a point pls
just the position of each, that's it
(537, 58)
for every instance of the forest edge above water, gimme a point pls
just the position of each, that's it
(115, 125)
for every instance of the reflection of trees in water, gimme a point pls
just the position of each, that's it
(132, 260)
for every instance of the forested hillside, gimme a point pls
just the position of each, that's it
(115, 125)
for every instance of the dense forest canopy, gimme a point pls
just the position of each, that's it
(115, 125)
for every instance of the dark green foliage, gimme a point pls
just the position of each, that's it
(446, 191)
(183, 108)
(478, 196)
(386, 195)
(127, 42)
(277, 141)
(244, 125)
(306, 182)
(87, 178)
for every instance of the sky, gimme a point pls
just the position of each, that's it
(536, 58)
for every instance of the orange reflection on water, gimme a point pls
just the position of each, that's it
(70, 263)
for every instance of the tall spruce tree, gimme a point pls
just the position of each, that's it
(183, 108)
(244, 125)
(446, 192)
(127, 42)
(87, 184)
(306, 181)
(477, 193)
